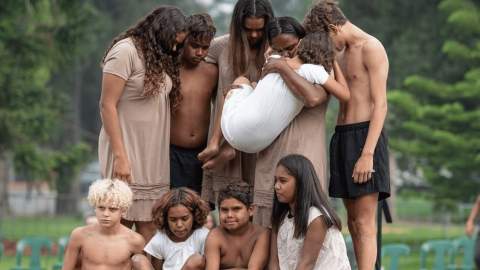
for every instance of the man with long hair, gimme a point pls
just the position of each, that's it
(239, 53)
(359, 171)
(140, 83)
(190, 121)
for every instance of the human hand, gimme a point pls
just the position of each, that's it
(362, 172)
(122, 170)
(469, 228)
(273, 65)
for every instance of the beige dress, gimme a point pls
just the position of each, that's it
(145, 128)
(242, 167)
(305, 136)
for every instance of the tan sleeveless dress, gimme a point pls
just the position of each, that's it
(145, 127)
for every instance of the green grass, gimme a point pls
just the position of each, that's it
(54, 228)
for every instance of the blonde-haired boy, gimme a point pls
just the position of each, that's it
(107, 244)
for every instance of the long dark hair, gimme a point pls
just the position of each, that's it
(284, 25)
(154, 37)
(317, 48)
(238, 43)
(307, 187)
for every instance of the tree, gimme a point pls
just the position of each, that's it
(435, 123)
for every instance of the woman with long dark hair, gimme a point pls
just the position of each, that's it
(306, 231)
(140, 85)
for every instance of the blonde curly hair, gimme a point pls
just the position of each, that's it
(112, 191)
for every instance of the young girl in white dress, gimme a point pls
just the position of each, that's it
(306, 232)
(180, 240)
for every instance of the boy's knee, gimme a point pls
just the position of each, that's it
(194, 262)
(141, 262)
(241, 80)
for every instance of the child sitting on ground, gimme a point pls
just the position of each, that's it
(179, 242)
(305, 229)
(236, 243)
(106, 244)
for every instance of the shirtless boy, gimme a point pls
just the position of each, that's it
(190, 122)
(237, 243)
(107, 244)
(358, 151)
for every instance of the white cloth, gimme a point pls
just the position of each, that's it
(175, 254)
(332, 255)
(252, 119)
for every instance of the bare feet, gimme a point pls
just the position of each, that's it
(225, 154)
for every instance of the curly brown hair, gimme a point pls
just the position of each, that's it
(200, 27)
(239, 191)
(317, 48)
(154, 37)
(323, 14)
(180, 196)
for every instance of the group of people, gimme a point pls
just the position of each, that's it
(240, 121)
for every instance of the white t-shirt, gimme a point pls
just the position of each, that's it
(175, 254)
(332, 255)
(253, 118)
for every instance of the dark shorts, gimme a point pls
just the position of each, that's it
(185, 168)
(345, 149)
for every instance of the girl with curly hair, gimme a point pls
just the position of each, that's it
(179, 242)
(140, 85)
(271, 106)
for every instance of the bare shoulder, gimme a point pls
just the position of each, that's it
(80, 233)
(262, 232)
(209, 69)
(373, 50)
(134, 237)
(216, 234)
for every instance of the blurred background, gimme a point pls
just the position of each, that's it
(50, 80)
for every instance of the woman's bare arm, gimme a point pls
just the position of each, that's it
(112, 89)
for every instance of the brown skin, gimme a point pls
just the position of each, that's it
(112, 89)
(316, 231)
(470, 225)
(106, 245)
(364, 62)
(190, 122)
(237, 243)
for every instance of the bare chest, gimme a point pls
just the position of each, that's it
(112, 252)
(196, 86)
(351, 63)
(236, 251)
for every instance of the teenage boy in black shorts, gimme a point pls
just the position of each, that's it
(358, 151)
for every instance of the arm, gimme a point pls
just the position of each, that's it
(273, 258)
(376, 62)
(212, 252)
(138, 243)
(312, 95)
(259, 258)
(337, 86)
(112, 89)
(312, 244)
(73, 250)
(157, 264)
(213, 145)
(470, 225)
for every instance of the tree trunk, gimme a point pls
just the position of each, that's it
(4, 173)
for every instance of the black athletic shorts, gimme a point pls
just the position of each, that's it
(345, 149)
(185, 168)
